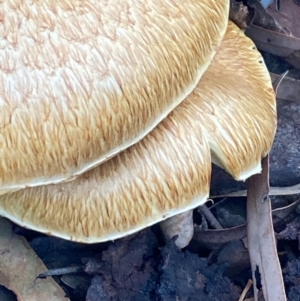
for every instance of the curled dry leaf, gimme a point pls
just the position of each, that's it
(283, 212)
(273, 42)
(19, 266)
(283, 40)
(287, 16)
(263, 19)
(214, 239)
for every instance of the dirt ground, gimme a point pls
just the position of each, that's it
(142, 267)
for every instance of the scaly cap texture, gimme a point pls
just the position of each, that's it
(167, 172)
(81, 81)
(238, 106)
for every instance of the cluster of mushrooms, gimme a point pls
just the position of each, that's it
(112, 112)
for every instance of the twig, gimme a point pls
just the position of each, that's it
(61, 271)
(277, 81)
(290, 190)
(210, 217)
(246, 289)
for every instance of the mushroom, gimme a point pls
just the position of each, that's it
(166, 173)
(238, 105)
(237, 109)
(232, 112)
(79, 83)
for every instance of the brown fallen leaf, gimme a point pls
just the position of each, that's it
(214, 239)
(273, 42)
(19, 266)
(261, 238)
(287, 16)
(283, 212)
(263, 19)
(284, 43)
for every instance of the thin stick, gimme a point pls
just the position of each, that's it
(246, 289)
(60, 271)
(210, 217)
(290, 190)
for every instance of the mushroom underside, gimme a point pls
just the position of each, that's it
(79, 84)
(231, 114)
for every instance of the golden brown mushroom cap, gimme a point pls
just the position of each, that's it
(168, 172)
(238, 106)
(81, 81)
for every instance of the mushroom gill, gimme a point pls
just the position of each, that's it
(166, 173)
(238, 106)
(232, 111)
(80, 82)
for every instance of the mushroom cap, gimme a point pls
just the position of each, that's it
(238, 106)
(167, 172)
(81, 82)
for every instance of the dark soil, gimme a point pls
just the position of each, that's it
(143, 268)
